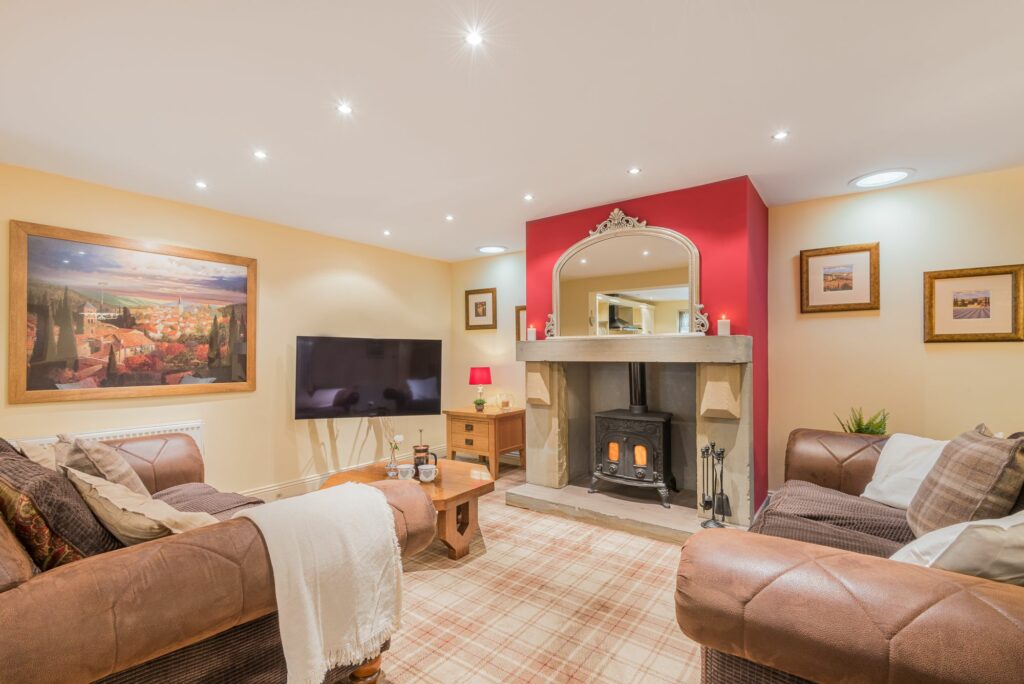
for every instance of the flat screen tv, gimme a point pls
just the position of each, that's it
(347, 377)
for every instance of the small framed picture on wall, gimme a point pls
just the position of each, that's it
(974, 305)
(520, 324)
(481, 309)
(839, 279)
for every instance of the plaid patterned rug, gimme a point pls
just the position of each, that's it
(541, 599)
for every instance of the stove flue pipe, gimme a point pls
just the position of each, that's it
(637, 387)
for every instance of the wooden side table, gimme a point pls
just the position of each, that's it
(489, 433)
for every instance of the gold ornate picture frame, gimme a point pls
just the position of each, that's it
(841, 278)
(101, 317)
(974, 304)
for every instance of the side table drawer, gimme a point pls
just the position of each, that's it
(470, 440)
(470, 427)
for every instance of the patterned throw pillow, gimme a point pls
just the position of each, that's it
(977, 477)
(46, 513)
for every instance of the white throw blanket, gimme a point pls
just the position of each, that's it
(337, 573)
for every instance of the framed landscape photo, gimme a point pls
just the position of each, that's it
(520, 324)
(101, 317)
(481, 309)
(974, 305)
(839, 279)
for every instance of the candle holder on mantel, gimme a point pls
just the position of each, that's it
(714, 498)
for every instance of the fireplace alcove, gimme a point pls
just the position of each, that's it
(704, 382)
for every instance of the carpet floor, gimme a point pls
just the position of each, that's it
(541, 599)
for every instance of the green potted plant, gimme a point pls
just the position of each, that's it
(875, 425)
(480, 403)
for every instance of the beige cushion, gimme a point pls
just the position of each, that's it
(993, 549)
(977, 477)
(132, 517)
(101, 460)
(48, 455)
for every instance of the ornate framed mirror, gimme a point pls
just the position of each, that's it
(627, 278)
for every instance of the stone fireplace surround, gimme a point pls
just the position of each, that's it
(706, 382)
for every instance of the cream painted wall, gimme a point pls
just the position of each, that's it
(822, 364)
(494, 348)
(308, 284)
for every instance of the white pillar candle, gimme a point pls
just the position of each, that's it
(724, 326)
(531, 334)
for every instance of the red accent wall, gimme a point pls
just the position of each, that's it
(728, 222)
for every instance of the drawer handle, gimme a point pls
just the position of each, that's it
(469, 442)
(469, 427)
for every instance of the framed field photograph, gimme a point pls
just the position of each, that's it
(839, 279)
(974, 305)
(481, 309)
(520, 324)
(101, 317)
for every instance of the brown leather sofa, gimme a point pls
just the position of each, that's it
(771, 609)
(194, 607)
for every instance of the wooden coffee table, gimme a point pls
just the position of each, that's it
(455, 493)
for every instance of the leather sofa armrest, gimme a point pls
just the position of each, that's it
(85, 620)
(415, 516)
(836, 460)
(830, 615)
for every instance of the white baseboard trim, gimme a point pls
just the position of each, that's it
(311, 483)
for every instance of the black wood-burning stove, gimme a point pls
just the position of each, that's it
(633, 445)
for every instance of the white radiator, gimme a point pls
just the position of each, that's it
(193, 428)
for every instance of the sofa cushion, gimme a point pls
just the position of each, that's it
(198, 497)
(101, 460)
(806, 512)
(132, 517)
(46, 513)
(15, 565)
(977, 477)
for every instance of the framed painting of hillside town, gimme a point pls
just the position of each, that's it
(101, 317)
(974, 305)
(839, 279)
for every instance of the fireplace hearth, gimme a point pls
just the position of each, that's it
(633, 445)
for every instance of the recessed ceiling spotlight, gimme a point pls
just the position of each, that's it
(387, 232)
(634, 171)
(81, 254)
(528, 197)
(647, 252)
(780, 135)
(344, 108)
(877, 179)
(260, 154)
(66, 261)
(474, 38)
(449, 217)
(491, 249)
(201, 184)
(583, 261)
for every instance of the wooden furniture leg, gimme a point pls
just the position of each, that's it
(456, 526)
(367, 673)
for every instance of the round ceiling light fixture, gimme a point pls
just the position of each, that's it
(474, 38)
(201, 184)
(528, 197)
(387, 232)
(260, 154)
(780, 135)
(492, 249)
(449, 217)
(878, 179)
(634, 171)
(344, 108)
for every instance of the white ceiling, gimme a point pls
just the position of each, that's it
(561, 98)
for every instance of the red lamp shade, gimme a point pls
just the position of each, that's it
(480, 376)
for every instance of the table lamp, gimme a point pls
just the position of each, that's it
(480, 376)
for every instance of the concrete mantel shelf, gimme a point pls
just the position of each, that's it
(653, 348)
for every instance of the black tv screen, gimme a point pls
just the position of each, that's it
(345, 377)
